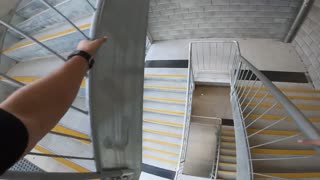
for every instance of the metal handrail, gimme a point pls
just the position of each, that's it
(306, 127)
(218, 152)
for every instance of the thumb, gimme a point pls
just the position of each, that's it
(101, 40)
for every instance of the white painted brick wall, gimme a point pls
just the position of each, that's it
(180, 19)
(307, 43)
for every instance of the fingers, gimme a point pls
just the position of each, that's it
(305, 141)
(101, 40)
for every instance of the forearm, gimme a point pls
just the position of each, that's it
(41, 104)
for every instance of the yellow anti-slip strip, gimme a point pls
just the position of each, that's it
(29, 79)
(273, 132)
(162, 133)
(167, 75)
(162, 122)
(227, 164)
(164, 111)
(164, 99)
(68, 131)
(228, 157)
(277, 117)
(302, 107)
(290, 97)
(160, 151)
(226, 149)
(227, 172)
(300, 90)
(293, 175)
(43, 38)
(160, 159)
(165, 87)
(63, 161)
(161, 142)
(283, 151)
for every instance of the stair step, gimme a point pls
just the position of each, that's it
(162, 136)
(161, 142)
(160, 151)
(287, 89)
(72, 9)
(163, 128)
(165, 97)
(227, 166)
(229, 145)
(160, 162)
(162, 146)
(163, 117)
(294, 175)
(268, 105)
(291, 97)
(170, 134)
(165, 106)
(34, 7)
(283, 151)
(54, 164)
(171, 86)
(227, 174)
(228, 152)
(163, 122)
(64, 130)
(225, 138)
(277, 117)
(228, 159)
(171, 74)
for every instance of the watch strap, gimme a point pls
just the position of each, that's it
(83, 54)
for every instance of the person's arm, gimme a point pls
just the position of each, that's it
(41, 104)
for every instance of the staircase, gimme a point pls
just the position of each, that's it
(37, 20)
(164, 109)
(281, 139)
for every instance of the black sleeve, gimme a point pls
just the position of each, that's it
(14, 141)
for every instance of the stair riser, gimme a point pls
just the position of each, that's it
(227, 168)
(228, 160)
(227, 176)
(72, 9)
(61, 44)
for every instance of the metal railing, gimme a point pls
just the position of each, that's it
(115, 173)
(253, 97)
(187, 118)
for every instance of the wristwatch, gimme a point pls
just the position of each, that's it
(83, 54)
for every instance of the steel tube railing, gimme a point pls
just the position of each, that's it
(63, 16)
(59, 156)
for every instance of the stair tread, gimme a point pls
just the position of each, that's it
(283, 151)
(166, 85)
(164, 108)
(163, 96)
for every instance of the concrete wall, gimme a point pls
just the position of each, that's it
(307, 43)
(181, 19)
(265, 54)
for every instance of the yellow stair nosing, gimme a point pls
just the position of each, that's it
(224, 142)
(307, 98)
(165, 87)
(161, 142)
(302, 107)
(227, 172)
(293, 175)
(302, 90)
(228, 156)
(164, 99)
(64, 130)
(160, 159)
(227, 164)
(277, 117)
(160, 151)
(163, 122)
(179, 113)
(46, 37)
(273, 132)
(162, 133)
(282, 151)
(63, 161)
(167, 75)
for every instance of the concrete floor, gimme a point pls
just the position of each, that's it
(210, 101)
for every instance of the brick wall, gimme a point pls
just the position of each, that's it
(307, 43)
(180, 19)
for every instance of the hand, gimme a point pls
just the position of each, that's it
(91, 46)
(312, 142)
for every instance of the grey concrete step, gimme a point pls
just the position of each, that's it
(228, 152)
(164, 108)
(57, 145)
(62, 40)
(166, 74)
(228, 159)
(165, 97)
(227, 166)
(156, 117)
(34, 7)
(177, 131)
(72, 9)
(228, 175)
(156, 137)
(157, 162)
(170, 86)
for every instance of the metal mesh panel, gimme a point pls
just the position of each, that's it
(25, 166)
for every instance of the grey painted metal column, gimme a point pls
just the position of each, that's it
(116, 85)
